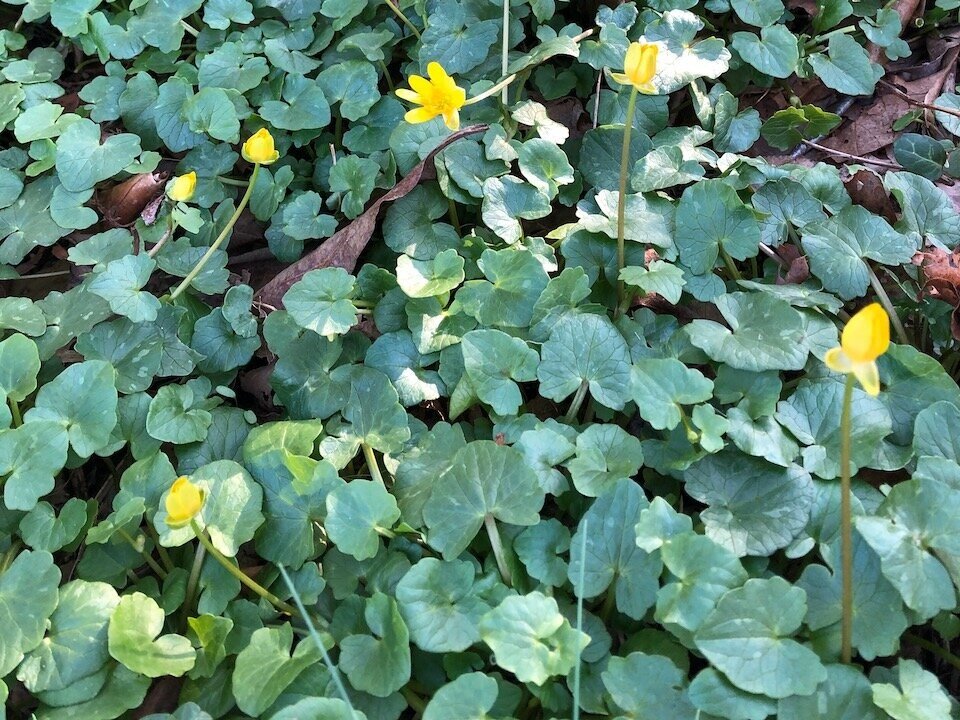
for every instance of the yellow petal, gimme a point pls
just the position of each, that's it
(647, 88)
(452, 119)
(420, 84)
(647, 66)
(837, 360)
(869, 376)
(409, 95)
(183, 187)
(621, 78)
(437, 74)
(183, 502)
(631, 63)
(867, 336)
(259, 148)
(419, 115)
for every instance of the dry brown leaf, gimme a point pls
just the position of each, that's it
(866, 189)
(941, 272)
(123, 203)
(344, 247)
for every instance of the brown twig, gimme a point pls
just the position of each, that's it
(849, 156)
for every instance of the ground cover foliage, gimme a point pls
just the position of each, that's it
(444, 456)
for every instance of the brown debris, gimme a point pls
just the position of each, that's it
(865, 188)
(941, 271)
(122, 204)
(344, 247)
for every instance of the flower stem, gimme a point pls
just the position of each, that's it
(372, 465)
(622, 198)
(501, 85)
(185, 283)
(403, 18)
(161, 550)
(198, 557)
(887, 305)
(161, 573)
(932, 647)
(846, 526)
(505, 49)
(17, 420)
(494, 534)
(731, 267)
(242, 576)
(576, 403)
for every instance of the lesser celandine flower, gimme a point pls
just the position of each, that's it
(865, 338)
(439, 95)
(639, 67)
(182, 187)
(183, 502)
(259, 148)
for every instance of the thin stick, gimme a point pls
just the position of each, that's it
(887, 305)
(849, 156)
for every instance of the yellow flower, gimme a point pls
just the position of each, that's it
(183, 502)
(182, 187)
(865, 338)
(259, 148)
(439, 95)
(639, 67)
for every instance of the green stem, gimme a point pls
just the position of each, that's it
(454, 216)
(494, 534)
(609, 602)
(161, 550)
(413, 700)
(185, 283)
(846, 526)
(940, 652)
(887, 305)
(372, 465)
(501, 85)
(580, 583)
(242, 576)
(622, 197)
(386, 75)
(17, 420)
(231, 181)
(576, 403)
(189, 28)
(6, 560)
(161, 573)
(731, 267)
(820, 39)
(403, 18)
(505, 49)
(194, 578)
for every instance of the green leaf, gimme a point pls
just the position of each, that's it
(508, 200)
(43, 529)
(765, 333)
(747, 638)
(378, 664)
(75, 646)
(514, 281)
(584, 348)
(539, 549)
(19, 365)
(787, 127)
(427, 278)
(702, 572)
(30, 457)
(761, 13)
(920, 154)
(357, 514)
(660, 387)
(647, 686)
(838, 248)
(483, 479)
(844, 695)
(354, 177)
(83, 400)
(492, 361)
(470, 696)
(134, 639)
(372, 408)
(265, 667)
(545, 166)
(211, 112)
(846, 67)
(396, 356)
(82, 161)
(320, 302)
(710, 216)
(174, 415)
(754, 508)
(295, 487)
(660, 277)
(611, 555)
(711, 693)
(775, 52)
(913, 521)
(664, 167)
(605, 455)
(812, 414)
(119, 284)
(456, 41)
(305, 106)
(919, 697)
(352, 83)
(441, 605)
(926, 210)
(32, 575)
(683, 59)
(530, 638)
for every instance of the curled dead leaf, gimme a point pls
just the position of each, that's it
(122, 204)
